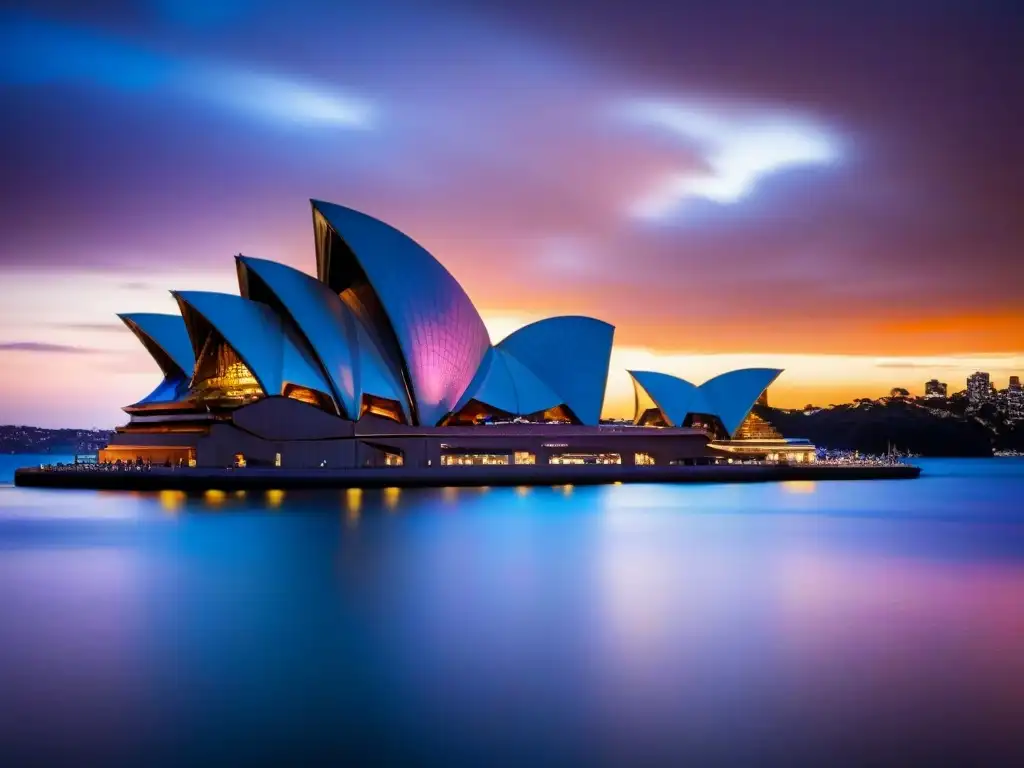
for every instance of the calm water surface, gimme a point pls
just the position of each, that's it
(794, 623)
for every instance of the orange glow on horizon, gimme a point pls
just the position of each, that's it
(829, 359)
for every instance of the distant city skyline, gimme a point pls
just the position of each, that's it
(844, 207)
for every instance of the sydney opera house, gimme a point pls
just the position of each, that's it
(382, 360)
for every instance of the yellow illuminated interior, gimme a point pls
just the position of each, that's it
(774, 450)
(558, 414)
(308, 396)
(222, 376)
(756, 428)
(643, 459)
(380, 406)
(586, 458)
(473, 459)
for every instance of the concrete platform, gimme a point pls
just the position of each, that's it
(196, 479)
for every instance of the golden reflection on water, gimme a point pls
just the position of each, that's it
(522, 490)
(172, 501)
(274, 498)
(450, 494)
(353, 499)
(214, 498)
(353, 505)
(799, 486)
(567, 489)
(239, 494)
(391, 496)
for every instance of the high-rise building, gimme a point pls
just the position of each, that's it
(935, 389)
(1015, 400)
(979, 389)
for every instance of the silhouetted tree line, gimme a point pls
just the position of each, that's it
(899, 423)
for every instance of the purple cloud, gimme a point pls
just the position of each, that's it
(40, 346)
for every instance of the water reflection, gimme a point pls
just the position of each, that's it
(172, 501)
(642, 624)
(799, 486)
(353, 506)
(214, 498)
(274, 498)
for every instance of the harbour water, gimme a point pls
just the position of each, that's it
(826, 623)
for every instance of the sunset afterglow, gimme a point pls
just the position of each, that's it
(723, 201)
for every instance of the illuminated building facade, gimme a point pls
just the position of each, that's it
(381, 359)
(979, 389)
(1015, 400)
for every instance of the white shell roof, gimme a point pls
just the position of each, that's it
(570, 354)
(729, 396)
(441, 336)
(506, 384)
(343, 347)
(733, 394)
(675, 397)
(166, 339)
(170, 390)
(256, 334)
(412, 335)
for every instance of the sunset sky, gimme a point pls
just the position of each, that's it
(834, 188)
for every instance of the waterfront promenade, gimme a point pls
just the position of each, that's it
(200, 479)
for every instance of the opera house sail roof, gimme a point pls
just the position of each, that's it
(406, 294)
(384, 329)
(728, 397)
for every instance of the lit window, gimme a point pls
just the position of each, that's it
(585, 458)
(474, 459)
(383, 407)
(221, 376)
(309, 396)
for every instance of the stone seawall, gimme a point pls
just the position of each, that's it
(196, 479)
